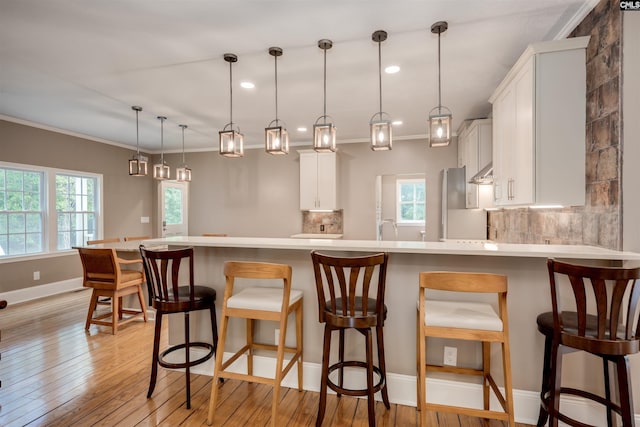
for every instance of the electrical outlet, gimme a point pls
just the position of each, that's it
(36, 275)
(450, 356)
(277, 336)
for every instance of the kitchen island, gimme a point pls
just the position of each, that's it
(524, 265)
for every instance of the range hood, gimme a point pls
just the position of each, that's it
(484, 176)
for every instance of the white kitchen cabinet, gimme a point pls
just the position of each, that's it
(539, 127)
(474, 153)
(318, 180)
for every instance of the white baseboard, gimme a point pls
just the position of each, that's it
(402, 390)
(46, 290)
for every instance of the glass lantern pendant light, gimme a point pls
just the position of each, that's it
(137, 164)
(183, 173)
(276, 138)
(231, 140)
(324, 134)
(161, 170)
(380, 123)
(440, 116)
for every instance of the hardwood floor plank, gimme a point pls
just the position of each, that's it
(54, 373)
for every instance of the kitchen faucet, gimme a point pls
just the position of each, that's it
(385, 221)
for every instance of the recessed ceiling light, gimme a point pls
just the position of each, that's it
(396, 122)
(247, 85)
(302, 129)
(392, 69)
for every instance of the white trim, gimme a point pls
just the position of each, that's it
(576, 19)
(34, 292)
(402, 390)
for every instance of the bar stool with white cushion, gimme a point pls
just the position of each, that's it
(259, 303)
(465, 320)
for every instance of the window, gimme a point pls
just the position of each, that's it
(75, 209)
(410, 197)
(21, 213)
(45, 210)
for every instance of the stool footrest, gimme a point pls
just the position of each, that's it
(472, 412)
(581, 393)
(354, 392)
(179, 365)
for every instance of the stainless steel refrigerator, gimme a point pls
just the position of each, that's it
(459, 223)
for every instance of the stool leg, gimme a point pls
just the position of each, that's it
(214, 328)
(556, 376)
(422, 372)
(299, 321)
(508, 383)
(383, 366)
(624, 385)
(116, 313)
(250, 344)
(326, 349)
(341, 359)
(92, 306)
(224, 321)
(371, 403)
(186, 358)
(546, 382)
(486, 371)
(607, 389)
(156, 351)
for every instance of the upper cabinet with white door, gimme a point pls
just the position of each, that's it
(539, 127)
(318, 180)
(474, 153)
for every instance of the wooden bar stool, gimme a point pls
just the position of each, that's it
(351, 296)
(465, 321)
(604, 323)
(168, 296)
(259, 303)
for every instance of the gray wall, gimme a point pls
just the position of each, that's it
(125, 198)
(257, 195)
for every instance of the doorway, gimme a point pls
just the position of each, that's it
(173, 205)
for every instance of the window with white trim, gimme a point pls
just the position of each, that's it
(45, 210)
(410, 201)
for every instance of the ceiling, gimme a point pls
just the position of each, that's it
(79, 66)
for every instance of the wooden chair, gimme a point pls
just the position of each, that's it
(108, 240)
(465, 321)
(259, 303)
(343, 285)
(130, 238)
(162, 268)
(214, 234)
(604, 324)
(102, 273)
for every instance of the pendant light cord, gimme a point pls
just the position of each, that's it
(231, 95)
(161, 140)
(183, 126)
(380, 75)
(439, 79)
(324, 111)
(276, 80)
(137, 137)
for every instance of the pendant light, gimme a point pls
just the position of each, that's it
(439, 120)
(137, 164)
(276, 138)
(380, 123)
(161, 170)
(231, 140)
(183, 173)
(324, 134)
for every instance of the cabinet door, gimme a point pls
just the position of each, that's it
(522, 187)
(504, 121)
(308, 181)
(326, 188)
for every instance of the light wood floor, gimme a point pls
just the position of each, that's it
(53, 373)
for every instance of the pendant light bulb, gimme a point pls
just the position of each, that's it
(380, 122)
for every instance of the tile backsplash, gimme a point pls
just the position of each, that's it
(313, 222)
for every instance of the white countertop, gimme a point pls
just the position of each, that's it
(441, 248)
(316, 236)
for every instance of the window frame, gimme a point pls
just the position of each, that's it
(49, 213)
(399, 220)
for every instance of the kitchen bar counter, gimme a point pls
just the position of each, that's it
(524, 265)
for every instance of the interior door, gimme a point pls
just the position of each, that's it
(173, 200)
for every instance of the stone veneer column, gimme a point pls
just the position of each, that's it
(599, 222)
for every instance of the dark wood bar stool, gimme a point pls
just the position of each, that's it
(605, 301)
(351, 296)
(465, 320)
(162, 268)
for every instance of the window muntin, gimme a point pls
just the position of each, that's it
(410, 201)
(75, 210)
